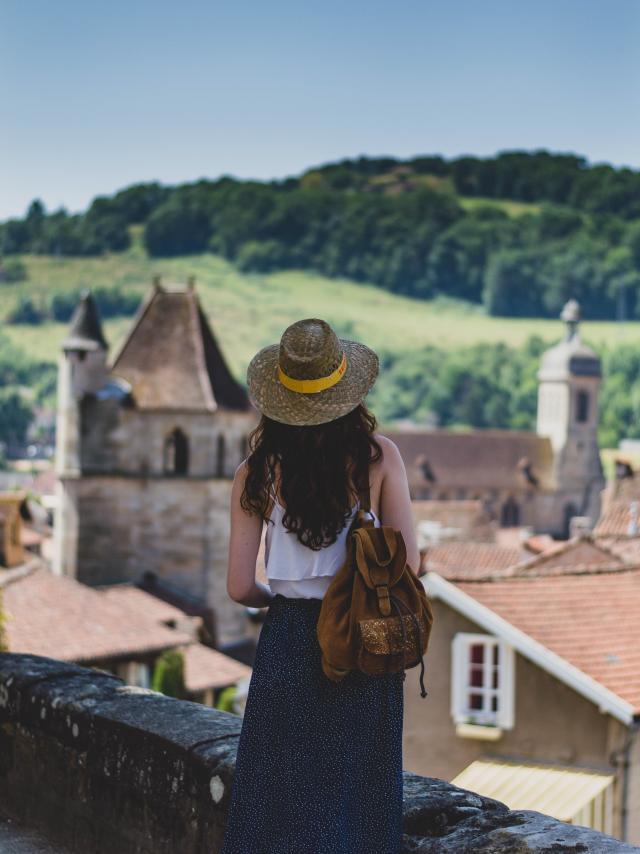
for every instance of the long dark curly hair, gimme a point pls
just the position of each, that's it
(322, 468)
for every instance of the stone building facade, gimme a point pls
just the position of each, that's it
(538, 479)
(147, 444)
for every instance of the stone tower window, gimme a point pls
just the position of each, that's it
(582, 406)
(510, 513)
(220, 455)
(569, 512)
(176, 453)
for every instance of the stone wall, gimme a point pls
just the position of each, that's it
(99, 767)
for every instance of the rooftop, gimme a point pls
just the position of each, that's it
(85, 331)
(469, 560)
(55, 615)
(588, 618)
(481, 459)
(172, 359)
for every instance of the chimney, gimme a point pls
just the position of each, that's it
(579, 526)
(632, 529)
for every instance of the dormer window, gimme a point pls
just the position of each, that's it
(482, 681)
(176, 453)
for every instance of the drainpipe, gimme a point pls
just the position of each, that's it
(624, 754)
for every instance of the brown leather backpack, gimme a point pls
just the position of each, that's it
(375, 615)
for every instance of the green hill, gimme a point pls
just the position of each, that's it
(250, 310)
(517, 234)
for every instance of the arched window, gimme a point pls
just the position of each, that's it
(582, 406)
(510, 513)
(176, 453)
(220, 455)
(569, 512)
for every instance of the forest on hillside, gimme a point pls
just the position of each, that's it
(487, 385)
(519, 233)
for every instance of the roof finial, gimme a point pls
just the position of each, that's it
(191, 283)
(156, 282)
(571, 316)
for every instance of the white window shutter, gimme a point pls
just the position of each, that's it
(458, 674)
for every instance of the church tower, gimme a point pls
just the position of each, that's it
(147, 445)
(569, 384)
(82, 369)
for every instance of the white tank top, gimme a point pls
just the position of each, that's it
(294, 569)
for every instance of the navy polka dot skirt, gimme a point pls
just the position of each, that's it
(319, 763)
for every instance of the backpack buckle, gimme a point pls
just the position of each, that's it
(384, 601)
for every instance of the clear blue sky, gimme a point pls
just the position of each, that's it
(96, 96)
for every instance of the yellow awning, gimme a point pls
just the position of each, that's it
(554, 790)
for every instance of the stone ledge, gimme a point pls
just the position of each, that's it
(99, 767)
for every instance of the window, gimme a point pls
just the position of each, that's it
(510, 513)
(582, 406)
(220, 454)
(482, 680)
(176, 453)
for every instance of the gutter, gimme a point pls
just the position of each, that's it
(619, 757)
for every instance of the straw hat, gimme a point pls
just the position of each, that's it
(311, 376)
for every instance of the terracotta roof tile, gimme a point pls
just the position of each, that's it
(615, 519)
(59, 617)
(136, 600)
(481, 459)
(627, 548)
(580, 554)
(172, 360)
(208, 668)
(591, 620)
(539, 543)
(469, 560)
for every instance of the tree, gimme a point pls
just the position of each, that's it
(15, 416)
(512, 283)
(176, 229)
(168, 674)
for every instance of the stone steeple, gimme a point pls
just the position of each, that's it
(85, 331)
(569, 384)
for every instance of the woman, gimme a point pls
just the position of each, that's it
(319, 763)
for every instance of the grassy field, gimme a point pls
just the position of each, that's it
(509, 207)
(248, 311)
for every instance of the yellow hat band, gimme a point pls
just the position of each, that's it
(313, 386)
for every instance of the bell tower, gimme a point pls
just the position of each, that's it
(569, 384)
(82, 369)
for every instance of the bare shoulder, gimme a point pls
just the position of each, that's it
(391, 456)
(240, 475)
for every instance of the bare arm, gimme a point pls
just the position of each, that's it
(244, 542)
(395, 500)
